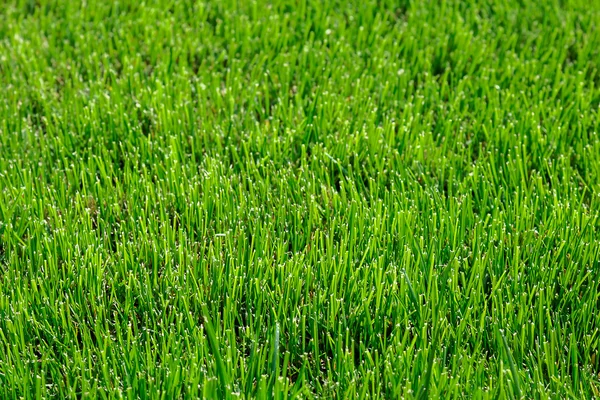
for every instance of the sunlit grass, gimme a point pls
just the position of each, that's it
(298, 198)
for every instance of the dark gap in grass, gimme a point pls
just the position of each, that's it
(146, 122)
(85, 328)
(571, 56)
(30, 7)
(37, 114)
(3, 246)
(195, 61)
(440, 64)
(59, 84)
(336, 174)
(399, 13)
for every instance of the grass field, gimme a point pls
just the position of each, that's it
(299, 199)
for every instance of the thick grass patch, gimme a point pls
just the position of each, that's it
(299, 198)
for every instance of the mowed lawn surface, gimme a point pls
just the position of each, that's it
(299, 198)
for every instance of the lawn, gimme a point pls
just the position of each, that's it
(299, 199)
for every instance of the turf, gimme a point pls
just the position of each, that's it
(299, 199)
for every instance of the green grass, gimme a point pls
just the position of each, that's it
(300, 199)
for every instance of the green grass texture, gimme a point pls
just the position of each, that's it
(335, 199)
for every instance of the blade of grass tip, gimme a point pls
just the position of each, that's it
(275, 365)
(214, 344)
(513, 368)
(413, 296)
(342, 169)
(424, 389)
(595, 389)
(275, 361)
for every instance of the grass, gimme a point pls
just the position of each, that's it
(300, 199)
